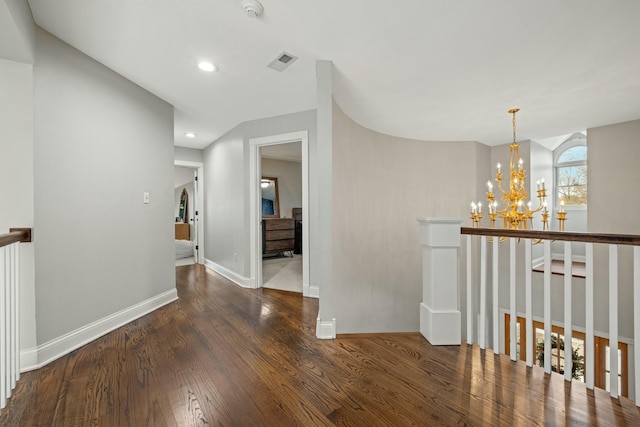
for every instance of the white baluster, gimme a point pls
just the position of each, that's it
(512, 297)
(16, 302)
(528, 302)
(547, 306)
(568, 322)
(589, 339)
(483, 291)
(496, 304)
(469, 293)
(636, 318)
(3, 326)
(613, 320)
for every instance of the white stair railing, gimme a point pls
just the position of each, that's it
(10, 311)
(527, 237)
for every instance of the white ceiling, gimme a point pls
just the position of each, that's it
(421, 69)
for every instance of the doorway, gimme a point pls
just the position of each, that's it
(188, 203)
(281, 210)
(255, 176)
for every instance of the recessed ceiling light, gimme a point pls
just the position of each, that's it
(190, 135)
(207, 66)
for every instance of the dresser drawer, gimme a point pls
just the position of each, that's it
(279, 245)
(279, 224)
(280, 234)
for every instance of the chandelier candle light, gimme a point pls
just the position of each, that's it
(516, 214)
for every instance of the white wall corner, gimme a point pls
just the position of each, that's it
(310, 291)
(29, 359)
(326, 330)
(244, 282)
(58, 347)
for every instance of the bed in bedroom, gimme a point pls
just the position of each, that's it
(184, 246)
(184, 249)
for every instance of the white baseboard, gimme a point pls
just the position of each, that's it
(326, 330)
(29, 359)
(310, 291)
(35, 358)
(239, 280)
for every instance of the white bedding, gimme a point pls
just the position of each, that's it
(184, 249)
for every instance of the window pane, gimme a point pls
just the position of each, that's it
(573, 154)
(573, 196)
(572, 175)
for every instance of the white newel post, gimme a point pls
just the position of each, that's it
(440, 319)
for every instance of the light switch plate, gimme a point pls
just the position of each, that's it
(146, 197)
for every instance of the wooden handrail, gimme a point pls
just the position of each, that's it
(15, 235)
(567, 236)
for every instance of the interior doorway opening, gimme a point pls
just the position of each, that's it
(285, 209)
(281, 210)
(188, 202)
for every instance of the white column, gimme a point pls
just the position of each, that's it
(440, 319)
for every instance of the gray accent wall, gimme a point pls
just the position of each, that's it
(189, 154)
(100, 142)
(613, 176)
(381, 185)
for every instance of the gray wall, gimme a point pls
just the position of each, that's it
(226, 168)
(100, 142)
(381, 185)
(182, 176)
(613, 176)
(189, 154)
(289, 176)
(16, 177)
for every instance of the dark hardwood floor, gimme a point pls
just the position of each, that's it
(223, 355)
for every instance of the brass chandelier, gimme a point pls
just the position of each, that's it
(516, 214)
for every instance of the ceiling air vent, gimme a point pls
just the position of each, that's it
(282, 61)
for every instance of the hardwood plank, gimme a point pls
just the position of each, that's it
(223, 355)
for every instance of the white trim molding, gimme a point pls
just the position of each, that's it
(34, 358)
(310, 291)
(244, 282)
(326, 329)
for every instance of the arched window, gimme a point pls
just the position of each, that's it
(571, 171)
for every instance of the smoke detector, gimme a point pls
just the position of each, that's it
(252, 8)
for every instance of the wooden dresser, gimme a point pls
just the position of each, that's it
(278, 235)
(182, 231)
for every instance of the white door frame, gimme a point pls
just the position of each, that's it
(200, 204)
(254, 195)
